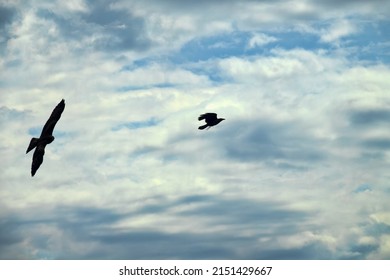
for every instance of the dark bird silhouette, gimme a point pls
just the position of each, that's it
(210, 119)
(46, 137)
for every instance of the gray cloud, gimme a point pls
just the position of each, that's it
(359, 251)
(355, 249)
(189, 5)
(377, 143)
(271, 141)
(362, 122)
(342, 3)
(124, 31)
(94, 228)
(7, 15)
(307, 252)
(369, 117)
(93, 233)
(10, 240)
(105, 29)
(256, 213)
(9, 234)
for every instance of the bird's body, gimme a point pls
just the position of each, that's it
(210, 119)
(46, 137)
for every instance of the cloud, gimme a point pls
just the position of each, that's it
(96, 233)
(259, 40)
(360, 6)
(368, 117)
(378, 143)
(104, 233)
(102, 27)
(279, 144)
(7, 16)
(129, 176)
(137, 125)
(337, 31)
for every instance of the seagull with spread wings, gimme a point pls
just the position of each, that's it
(46, 137)
(210, 119)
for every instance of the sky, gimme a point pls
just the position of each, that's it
(298, 170)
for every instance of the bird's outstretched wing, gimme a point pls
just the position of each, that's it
(37, 158)
(208, 117)
(53, 119)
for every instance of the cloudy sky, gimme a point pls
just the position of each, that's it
(298, 170)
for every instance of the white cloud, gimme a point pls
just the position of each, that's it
(338, 30)
(258, 40)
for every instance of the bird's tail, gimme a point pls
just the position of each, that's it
(202, 126)
(33, 144)
(37, 159)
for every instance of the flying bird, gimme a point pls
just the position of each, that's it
(46, 137)
(210, 119)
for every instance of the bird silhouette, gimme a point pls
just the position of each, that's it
(210, 119)
(46, 137)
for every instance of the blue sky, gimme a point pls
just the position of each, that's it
(298, 170)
